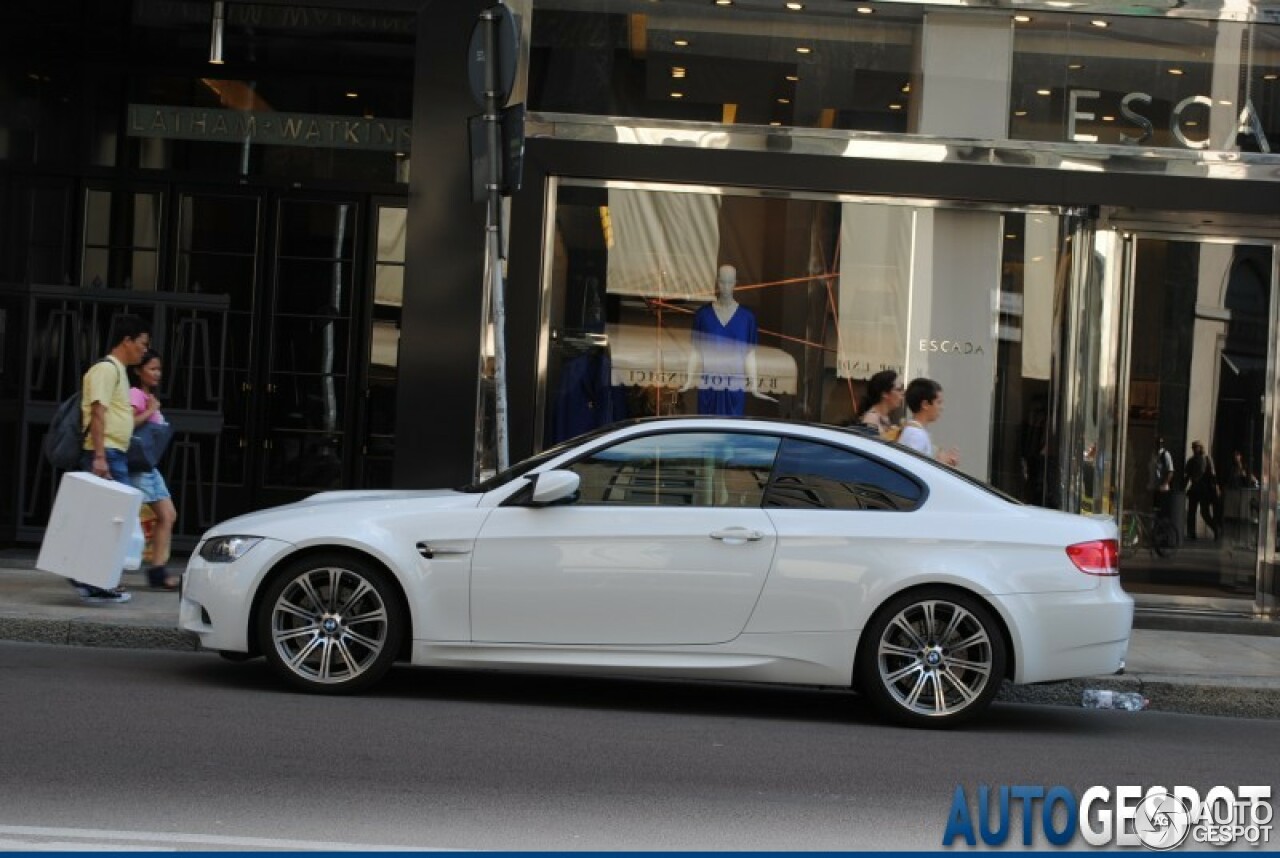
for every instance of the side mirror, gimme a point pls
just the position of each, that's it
(553, 487)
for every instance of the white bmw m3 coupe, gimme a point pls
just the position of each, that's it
(714, 548)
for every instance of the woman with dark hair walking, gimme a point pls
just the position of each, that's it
(884, 399)
(146, 407)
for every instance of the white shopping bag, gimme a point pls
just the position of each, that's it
(92, 530)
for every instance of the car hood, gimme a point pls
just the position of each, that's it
(342, 506)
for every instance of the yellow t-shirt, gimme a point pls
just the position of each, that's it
(108, 382)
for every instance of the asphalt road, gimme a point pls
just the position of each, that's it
(146, 749)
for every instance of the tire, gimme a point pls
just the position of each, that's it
(331, 624)
(1164, 537)
(933, 657)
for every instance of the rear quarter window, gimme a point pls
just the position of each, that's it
(812, 475)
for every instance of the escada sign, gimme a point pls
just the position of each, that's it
(1188, 115)
(952, 347)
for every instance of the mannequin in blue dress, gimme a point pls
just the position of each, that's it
(722, 362)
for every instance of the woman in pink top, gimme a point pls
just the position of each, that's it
(146, 407)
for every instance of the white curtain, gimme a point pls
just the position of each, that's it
(663, 244)
(1040, 267)
(875, 288)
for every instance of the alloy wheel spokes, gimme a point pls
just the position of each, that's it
(935, 657)
(362, 589)
(317, 603)
(329, 625)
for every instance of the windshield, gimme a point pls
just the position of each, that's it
(520, 469)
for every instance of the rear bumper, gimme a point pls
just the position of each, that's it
(1072, 635)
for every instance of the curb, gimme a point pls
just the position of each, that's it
(1165, 695)
(1172, 621)
(85, 633)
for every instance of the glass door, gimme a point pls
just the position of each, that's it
(289, 266)
(308, 350)
(1195, 418)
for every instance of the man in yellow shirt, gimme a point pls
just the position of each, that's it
(107, 416)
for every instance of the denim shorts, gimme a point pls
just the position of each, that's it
(151, 484)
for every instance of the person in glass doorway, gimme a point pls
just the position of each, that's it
(924, 401)
(1202, 490)
(1160, 481)
(146, 407)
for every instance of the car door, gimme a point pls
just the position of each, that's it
(666, 543)
(848, 525)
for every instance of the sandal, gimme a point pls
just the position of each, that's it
(159, 578)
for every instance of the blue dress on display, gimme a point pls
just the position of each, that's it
(722, 386)
(587, 398)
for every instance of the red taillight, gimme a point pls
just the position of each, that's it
(1100, 557)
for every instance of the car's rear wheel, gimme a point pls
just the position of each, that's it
(331, 623)
(933, 657)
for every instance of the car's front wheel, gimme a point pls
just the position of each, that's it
(331, 623)
(933, 657)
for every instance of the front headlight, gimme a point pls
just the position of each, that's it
(227, 549)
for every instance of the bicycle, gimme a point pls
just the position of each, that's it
(1146, 530)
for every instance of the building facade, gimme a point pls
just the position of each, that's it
(1063, 212)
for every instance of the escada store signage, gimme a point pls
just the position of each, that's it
(952, 347)
(269, 128)
(1185, 121)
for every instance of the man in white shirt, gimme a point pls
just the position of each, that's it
(924, 401)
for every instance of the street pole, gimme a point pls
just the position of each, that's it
(496, 260)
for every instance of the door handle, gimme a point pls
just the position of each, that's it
(737, 535)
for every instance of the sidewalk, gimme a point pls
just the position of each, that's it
(1181, 664)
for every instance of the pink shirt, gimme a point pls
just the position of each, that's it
(138, 399)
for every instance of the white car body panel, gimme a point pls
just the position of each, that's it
(617, 575)
(803, 659)
(647, 590)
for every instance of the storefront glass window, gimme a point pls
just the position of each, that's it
(384, 345)
(121, 240)
(831, 65)
(1193, 516)
(682, 301)
(262, 110)
(1150, 82)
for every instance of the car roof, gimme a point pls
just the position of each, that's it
(857, 429)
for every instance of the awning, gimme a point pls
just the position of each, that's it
(644, 356)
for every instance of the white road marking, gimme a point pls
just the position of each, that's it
(14, 837)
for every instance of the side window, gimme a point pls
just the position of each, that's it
(721, 469)
(809, 475)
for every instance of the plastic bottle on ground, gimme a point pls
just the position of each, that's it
(1101, 698)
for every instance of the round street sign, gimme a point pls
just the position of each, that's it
(507, 48)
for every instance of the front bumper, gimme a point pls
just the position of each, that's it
(216, 600)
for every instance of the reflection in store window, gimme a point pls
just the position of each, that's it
(1150, 82)
(384, 346)
(830, 67)
(121, 240)
(666, 301)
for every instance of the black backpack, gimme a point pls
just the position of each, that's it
(64, 442)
